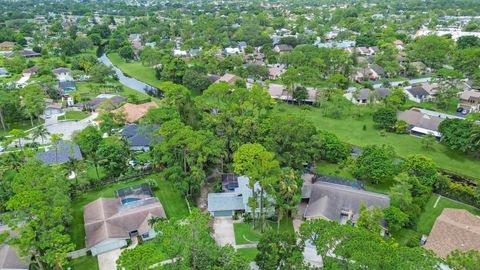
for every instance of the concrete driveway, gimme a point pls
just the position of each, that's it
(108, 260)
(68, 128)
(223, 231)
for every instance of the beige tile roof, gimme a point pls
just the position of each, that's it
(107, 218)
(228, 78)
(454, 229)
(134, 112)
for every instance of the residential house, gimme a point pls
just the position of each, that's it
(179, 53)
(378, 71)
(454, 229)
(383, 92)
(60, 153)
(30, 71)
(24, 53)
(470, 100)
(135, 112)
(420, 67)
(96, 103)
(232, 51)
(63, 74)
(228, 78)
(234, 199)
(110, 222)
(420, 123)
(276, 71)
(52, 108)
(339, 202)
(399, 44)
(419, 93)
(140, 138)
(4, 73)
(362, 96)
(7, 46)
(9, 257)
(277, 91)
(282, 48)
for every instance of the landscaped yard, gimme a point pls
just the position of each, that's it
(91, 90)
(73, 115)
(245, 234)
(84, 263)
(351, 130)
(172, 201)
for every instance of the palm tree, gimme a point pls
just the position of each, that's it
(40, 132)
(475, 139)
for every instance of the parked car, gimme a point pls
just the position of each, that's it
(459, 109)
(464, 112)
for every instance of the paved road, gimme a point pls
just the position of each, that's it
(123, 79)
(223, 231)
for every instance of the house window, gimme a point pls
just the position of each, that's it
(145, 235)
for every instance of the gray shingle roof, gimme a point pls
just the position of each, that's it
(65, 150)
(327, 200)
(418, 91)
(225, 201)
(140, 135)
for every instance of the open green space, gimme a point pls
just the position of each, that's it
(245, 234)
(248, 254)
(73, 115)
(430, 213)
(452, 106)
(91, 90)
(172, 201)
(84, 263)
(135, 69)
(351, 130)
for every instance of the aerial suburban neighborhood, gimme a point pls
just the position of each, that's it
(237, 135)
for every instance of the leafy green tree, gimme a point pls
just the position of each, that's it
(139, 258)
(254, 161)
(300, 94)
(126, 52)
(468, 42)
(421, 167)
(330, 148)
(467, 60)
(456, 134)
(385, 118)
(396, 98)
(359, 248)
(396, 218)
(369, 219)
(195, 81)
(428, 141)
(469, 260)
(15, 65)
(277, 250)
(113, 155)
(431, 50)
(100, 72)
(290, 137)
(89, 140)
(287, 193)
(111, 121)
(375, 164)
(83, 44)
(39, 211)
(32, 102)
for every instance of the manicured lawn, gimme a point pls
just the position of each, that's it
(351, 131)
(84, 263)
(85, 90)
(135, 70)
(173, 203)
(248, 254)
(430, 213)
(452, 106)
(331, 169)
(73, 115)
(245, 234)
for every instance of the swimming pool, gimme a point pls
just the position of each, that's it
(129, 200)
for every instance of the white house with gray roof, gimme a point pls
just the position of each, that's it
(228, 203)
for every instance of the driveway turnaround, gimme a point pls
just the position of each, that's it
(223, 231)
(108, 260)
(68, 128)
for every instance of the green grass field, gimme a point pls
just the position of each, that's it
(73, 115)
(84, 263)
(245, 234)
(248, 254)
(350, 130)
(135, 70)
(173, 203)
(22, 125)
(430, 213)
(85, 90)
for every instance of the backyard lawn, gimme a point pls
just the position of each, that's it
(22, 125)
(351, 130)
(135, 69)
(73, 115)
(245, 234)
(84, 263)
(173, 203)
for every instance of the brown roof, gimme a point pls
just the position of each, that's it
(107, 218)
(416, 118)
(7, 45)
(466, 95)
(228, 78)
(454, 229)
(134, 112)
